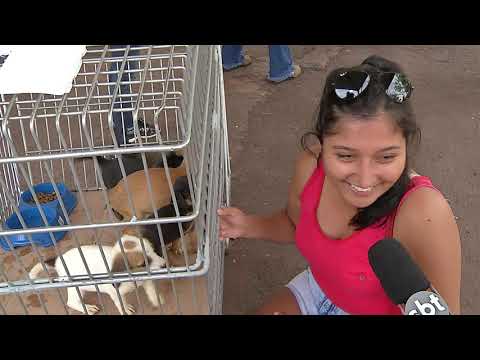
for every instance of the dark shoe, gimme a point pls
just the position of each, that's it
(146, 132)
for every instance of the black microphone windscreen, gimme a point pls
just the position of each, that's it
(399, 275)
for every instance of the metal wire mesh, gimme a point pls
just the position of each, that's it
(110, 142)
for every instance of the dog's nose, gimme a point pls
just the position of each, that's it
(158, 262)
(162, 262)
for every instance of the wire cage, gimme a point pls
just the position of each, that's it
(109, 193)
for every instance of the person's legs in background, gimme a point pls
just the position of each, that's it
(233, 57)
(123, 120)
(281, 64)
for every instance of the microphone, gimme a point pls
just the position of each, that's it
(403, 281)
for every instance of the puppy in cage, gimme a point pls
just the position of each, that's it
(112, 174)
(140, 194)
(170, 231)
(116, 262)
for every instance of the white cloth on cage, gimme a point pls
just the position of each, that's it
(5, 49)
(45, 69)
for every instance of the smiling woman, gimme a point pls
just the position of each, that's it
(364, 158)
(352, 190)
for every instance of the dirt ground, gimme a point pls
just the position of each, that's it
(267, 120)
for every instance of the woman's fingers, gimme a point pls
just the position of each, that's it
(227, 231)
(228, 211)
(231, 222)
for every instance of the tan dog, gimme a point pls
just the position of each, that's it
(96, 265)
(191, 244)
(137, 184)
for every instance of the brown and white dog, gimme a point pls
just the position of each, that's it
(112, 174)
(137, 184)
(170, 231)
(110, 167)
(135, 257)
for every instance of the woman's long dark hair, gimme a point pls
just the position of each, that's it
(371, 102)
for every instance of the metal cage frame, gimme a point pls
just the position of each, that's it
(178, 88)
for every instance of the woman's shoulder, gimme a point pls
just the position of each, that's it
(306, 164)
(426, 226)
(423, 204)
(308, 158)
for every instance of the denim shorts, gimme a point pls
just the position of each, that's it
(310, 298)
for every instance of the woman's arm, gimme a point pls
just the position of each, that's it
(426, 226)
(277, 227)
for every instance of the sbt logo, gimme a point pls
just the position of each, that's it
(426, 303)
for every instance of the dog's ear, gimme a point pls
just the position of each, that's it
(135, 260)
(183, 195)
(117, 214)
(118, 265)
(132, 251)
(183, 205)
(174, 160)
(188, 226)
(181, 184)
(135, 231)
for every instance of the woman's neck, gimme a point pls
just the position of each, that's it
(339, 201)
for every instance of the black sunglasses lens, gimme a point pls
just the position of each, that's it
(399, 88)
(351, 84)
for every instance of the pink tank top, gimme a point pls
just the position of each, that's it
(341, 267)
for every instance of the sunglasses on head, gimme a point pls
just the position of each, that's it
(349, 85)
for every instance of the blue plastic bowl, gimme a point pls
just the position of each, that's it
(69, 199)
(32, 219)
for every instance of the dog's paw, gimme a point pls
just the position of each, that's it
(162, 299)
(92, 309)
(177, 248)
(162, 262)
(129, 309)
(154, 301)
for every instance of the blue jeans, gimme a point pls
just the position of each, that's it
(280, 58)
(122, 121)
(309, 296)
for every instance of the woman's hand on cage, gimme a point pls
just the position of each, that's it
(234, 223)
